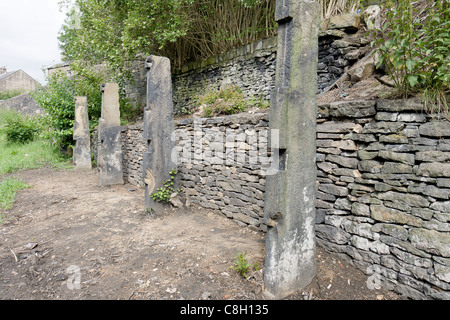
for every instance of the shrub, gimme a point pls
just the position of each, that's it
(414, 47)
(57, 99)
(19, 130)
(228, 100)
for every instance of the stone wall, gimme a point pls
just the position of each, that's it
(133, 148)
(223, 163)
(383, 185)
(24, 104)
(250, 67)
(383, 193)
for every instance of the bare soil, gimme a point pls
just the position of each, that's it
(68, 238)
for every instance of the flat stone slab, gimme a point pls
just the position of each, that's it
(110, 156)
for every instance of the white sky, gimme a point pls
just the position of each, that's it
(28, 35)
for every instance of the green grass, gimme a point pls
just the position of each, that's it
(35, 154)
(15, 157)
(8, 190)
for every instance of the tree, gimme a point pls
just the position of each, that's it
(114, 31)
(57, 99)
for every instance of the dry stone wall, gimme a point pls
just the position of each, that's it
(252, 68)
(133, 148)
(223, 165)
(24, 104)
(383, 193)
(383, 184)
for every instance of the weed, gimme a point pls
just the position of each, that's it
(242, 265)
(164, 193)
(414, 46)
(228, 100)
(18, 129)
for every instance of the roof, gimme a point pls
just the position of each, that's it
(7, 74)
(59, 65)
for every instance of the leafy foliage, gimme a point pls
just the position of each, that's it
(414, 48)
(164, 193)
(114, 31)
(57, 98)
(18, 129)
(18, 156)
(227, 100)
(8, 94)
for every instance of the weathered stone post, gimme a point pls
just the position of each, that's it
(289, 210)
(110, 167)
(158, 129)
(82, 149)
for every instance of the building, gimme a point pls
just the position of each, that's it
(60, 67)
(16, 80)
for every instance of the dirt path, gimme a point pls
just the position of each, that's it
(68, 238)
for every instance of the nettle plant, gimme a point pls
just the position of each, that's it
(164, 193)
(414, 47)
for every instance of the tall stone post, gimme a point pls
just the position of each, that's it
(110, 167)
(81, 134)
(158, 129)
(289, 210)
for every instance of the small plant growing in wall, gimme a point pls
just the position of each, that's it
(164, 193)
(228, 100)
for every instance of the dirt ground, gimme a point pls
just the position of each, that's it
(67, 238)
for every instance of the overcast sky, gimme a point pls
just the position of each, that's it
(28, 35)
